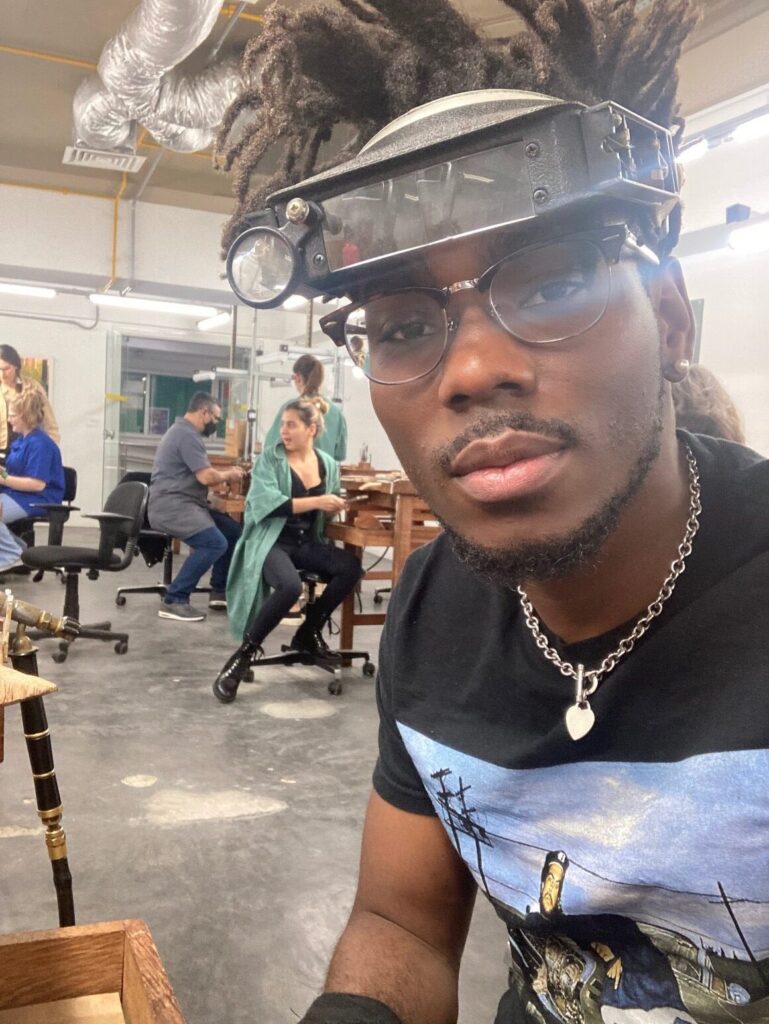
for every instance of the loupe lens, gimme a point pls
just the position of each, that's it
(260, 266)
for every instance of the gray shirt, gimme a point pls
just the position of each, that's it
(178, 501)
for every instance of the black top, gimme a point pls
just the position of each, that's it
(299, 526)
(660, 814)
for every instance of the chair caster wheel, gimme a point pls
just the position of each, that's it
(59, 656)
(369, 668)
(335, 687)
(378, 598)
(120, 600)
(249, 676)
(121, 647)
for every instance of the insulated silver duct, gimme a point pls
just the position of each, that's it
(136, 80)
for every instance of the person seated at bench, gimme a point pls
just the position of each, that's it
(294, 488)
(32, 474)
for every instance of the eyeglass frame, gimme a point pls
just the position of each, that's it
(617, 238)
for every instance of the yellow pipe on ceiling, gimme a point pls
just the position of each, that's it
(115, 223)
(228, 10)
(54, 58)
(60, 191)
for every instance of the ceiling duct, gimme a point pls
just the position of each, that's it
(136, 81)
(105, 160)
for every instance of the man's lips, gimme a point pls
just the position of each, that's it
(503, 450)
(506, 466)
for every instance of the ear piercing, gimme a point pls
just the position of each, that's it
(678, 371)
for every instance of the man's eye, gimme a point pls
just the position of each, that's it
(406, 330)
(555, 290)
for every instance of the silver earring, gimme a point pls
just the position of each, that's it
(682, 366)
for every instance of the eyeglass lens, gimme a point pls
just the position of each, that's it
(542, 295)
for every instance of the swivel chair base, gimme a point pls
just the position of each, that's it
(88, 630)
(158, 588)
(333, 665)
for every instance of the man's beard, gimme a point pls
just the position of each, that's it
(556, 557)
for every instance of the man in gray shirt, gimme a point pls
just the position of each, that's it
(178, 505)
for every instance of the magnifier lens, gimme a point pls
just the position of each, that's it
(261, 265)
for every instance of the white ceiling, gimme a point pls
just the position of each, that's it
(36, 91)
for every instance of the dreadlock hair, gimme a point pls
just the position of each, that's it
(399, 54)
(704, 406)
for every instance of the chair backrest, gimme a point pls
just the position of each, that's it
(128, 499)
(70, 484)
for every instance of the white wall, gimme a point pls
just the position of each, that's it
(734, 286)
(57, 237)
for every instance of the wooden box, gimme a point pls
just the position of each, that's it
(91, 974)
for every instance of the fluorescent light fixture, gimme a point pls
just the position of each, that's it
(31, 291)
(693, 152)
(751, 238)
(212, 322)
(756, 128)
(294, 302)
(152, 305)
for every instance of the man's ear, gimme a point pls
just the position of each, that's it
(675, 317)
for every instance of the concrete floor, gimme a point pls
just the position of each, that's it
(233, 831)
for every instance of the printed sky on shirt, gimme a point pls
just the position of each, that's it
(648, 841)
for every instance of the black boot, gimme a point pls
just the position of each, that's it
(309, 638)
(234, 672)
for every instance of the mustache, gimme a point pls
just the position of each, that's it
(492, 424)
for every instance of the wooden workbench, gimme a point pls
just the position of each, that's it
(393, 515)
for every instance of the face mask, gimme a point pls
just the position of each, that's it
(209, 429)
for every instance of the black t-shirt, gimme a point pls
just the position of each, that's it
(655, 826)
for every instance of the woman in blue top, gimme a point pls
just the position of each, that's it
(308, 379)
(33, 472)
(294, 487)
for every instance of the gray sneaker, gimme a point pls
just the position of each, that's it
(181, 611)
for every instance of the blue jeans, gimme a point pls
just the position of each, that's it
(10, 545)
(210, 547)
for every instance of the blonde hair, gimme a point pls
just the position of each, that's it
(30, 405)
(308, 412)
(703, 406)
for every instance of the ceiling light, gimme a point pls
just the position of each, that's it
(29, 290)
(294, 302)
(693, 152)
(751, 238)
(152, 305)
(756, 128)
(212, 322)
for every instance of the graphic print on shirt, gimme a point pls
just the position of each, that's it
(633, 893)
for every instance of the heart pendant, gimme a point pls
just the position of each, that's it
(579, 720)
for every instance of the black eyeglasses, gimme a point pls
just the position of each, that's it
(541, 294)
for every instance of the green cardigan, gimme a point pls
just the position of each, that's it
(333, 440)
(270, 488)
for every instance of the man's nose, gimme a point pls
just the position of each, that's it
(483, 360)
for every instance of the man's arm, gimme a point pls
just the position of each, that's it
(209, 475)
(407, 930)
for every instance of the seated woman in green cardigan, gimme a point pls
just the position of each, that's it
(294, 488)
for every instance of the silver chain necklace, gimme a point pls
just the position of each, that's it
(580, 717)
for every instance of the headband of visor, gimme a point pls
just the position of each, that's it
(333, 233)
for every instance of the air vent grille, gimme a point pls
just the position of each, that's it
(102, 159)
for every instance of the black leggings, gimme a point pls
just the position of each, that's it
(339, 569)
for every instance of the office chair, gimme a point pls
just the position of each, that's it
(56, 515)
(154, 546)
(291, 657)
(119, 526)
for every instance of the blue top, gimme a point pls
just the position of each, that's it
(38, 456)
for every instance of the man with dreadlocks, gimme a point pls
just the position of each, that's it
(579, 663)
